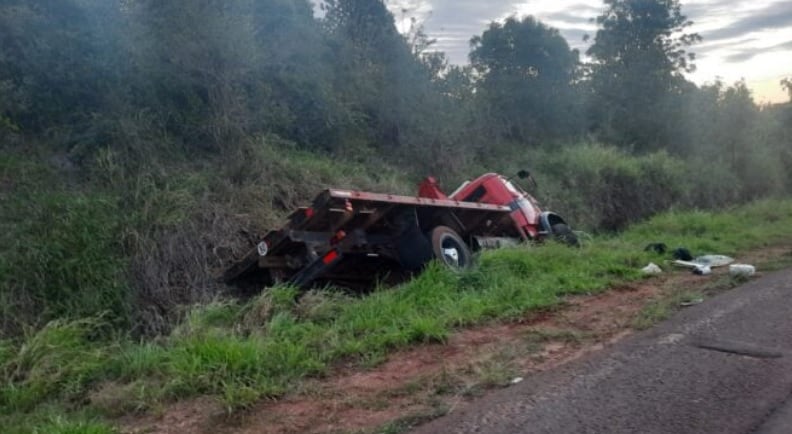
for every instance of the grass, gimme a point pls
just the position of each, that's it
(777, 263)
(662, 308)
(241, 352)
(51, 419)
(63, 259)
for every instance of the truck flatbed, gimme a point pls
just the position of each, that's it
(349, 235)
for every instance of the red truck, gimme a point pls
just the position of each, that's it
(353, 238)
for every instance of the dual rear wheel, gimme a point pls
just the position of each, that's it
(449, 248)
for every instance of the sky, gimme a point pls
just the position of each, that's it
(742, 39)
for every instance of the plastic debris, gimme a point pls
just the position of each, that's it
(703, 264)
(714, 260)
(741, 270)
(652, 269)
(702, 270)
(691, 302)
(516, 380)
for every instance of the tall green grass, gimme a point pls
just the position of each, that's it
(62, 257)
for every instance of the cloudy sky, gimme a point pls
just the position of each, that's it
(750, 39)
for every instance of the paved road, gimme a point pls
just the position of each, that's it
(724, 366)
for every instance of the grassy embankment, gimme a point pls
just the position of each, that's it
(99, 260)
(242, 352)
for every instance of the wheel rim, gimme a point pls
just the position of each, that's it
(452, 252)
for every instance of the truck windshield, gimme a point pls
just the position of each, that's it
(511, 187)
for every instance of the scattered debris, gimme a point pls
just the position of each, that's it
(659, 248)
(742, 270)
(516, 380)
(691, 302)
(652, 269)
(703, 264)
(682, 254)
(714, 260)
(702, 270)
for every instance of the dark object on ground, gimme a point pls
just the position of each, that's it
(564, 234)
(682, 254)
(659, 248)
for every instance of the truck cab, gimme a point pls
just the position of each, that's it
(495, 189)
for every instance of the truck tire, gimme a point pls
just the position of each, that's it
(564, 234)
(449, 248)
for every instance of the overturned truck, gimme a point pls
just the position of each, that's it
(354, 238)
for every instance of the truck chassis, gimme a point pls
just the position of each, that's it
(352, 238)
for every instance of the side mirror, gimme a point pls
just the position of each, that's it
(523, 174)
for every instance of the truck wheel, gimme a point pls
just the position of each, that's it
(564, 234)
(449, 248)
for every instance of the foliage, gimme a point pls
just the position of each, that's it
(605, 188)
(786, 83)
(155, 80)
(526, 79)
(639, 54)
(55, 67)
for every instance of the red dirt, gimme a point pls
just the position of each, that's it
(410, 381)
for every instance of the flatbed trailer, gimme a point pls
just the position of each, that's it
(354, 238)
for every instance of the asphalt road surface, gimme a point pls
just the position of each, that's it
(723, 366)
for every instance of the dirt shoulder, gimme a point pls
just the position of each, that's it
(424, 382)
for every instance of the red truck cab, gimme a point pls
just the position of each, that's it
(495, 189)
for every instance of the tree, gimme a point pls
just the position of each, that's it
(735, 127)
(195, 60)
(380, 74)
(526, 79)
(295, 65)
(54, 73)
(217, 71)
(786, 83)
(639, 55)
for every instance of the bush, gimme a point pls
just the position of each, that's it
(601, 187)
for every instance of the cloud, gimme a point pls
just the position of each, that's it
(776, 15)
(454, 22)
(749, 53)
(742, 38)
(708, 11)
(576, 14)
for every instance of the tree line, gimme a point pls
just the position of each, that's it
(204, 75)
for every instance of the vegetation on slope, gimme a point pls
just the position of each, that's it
(242, 351)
